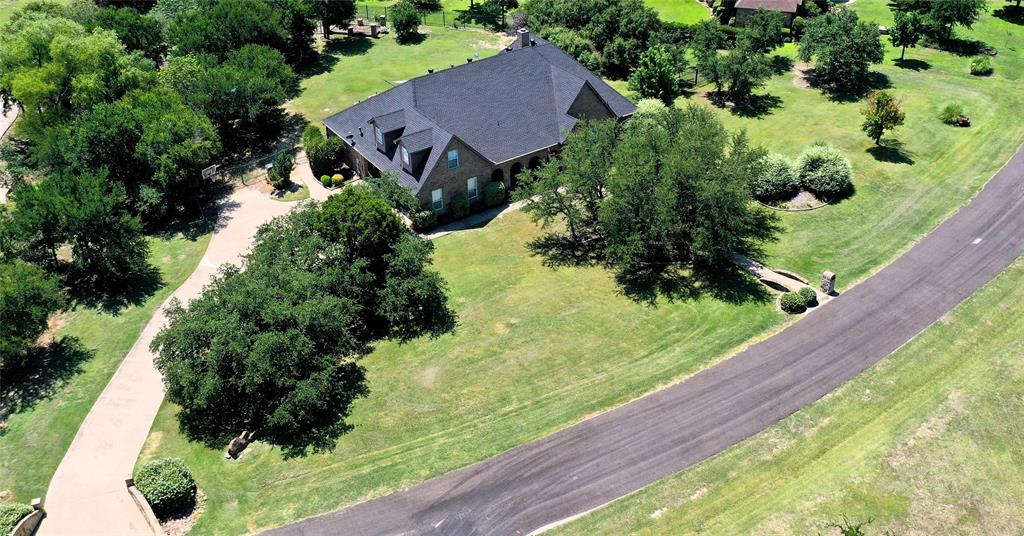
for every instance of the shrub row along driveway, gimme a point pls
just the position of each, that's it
(618, 452)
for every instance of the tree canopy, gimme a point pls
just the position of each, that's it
(28, 296)
(655, 76)
(842, 46)
(673, 189)
(274, 349)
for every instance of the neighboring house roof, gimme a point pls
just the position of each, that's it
(785, 6)
(502, 107)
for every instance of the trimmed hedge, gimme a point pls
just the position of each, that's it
(337, 179)
(824, 171)
(167, 484)
(494, 193)
(778, 179)
(458, 206)
(810, 297)
(792, 303)
(11, 514)
(326, 181)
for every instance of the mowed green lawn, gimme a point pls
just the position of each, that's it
(684, 11)
(539, 349)
(927, 442)
(8, 7)
(535, 349)
(33, 441)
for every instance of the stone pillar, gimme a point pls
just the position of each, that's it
(828, 282)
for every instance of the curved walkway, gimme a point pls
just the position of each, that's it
(599, 460)
(87, 494)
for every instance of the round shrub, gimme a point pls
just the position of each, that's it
(11, 514)
(494, 193)
(981, 66)
(824, 171)
(423, 219)
(325, 180)
(792, 303)
(167, 484)
(337, 179)
(778, 179)
(809, 296)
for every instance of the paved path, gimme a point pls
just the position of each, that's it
(87, 494)
(618, 452)
(6, 122)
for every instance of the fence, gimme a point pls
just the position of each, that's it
(478, 17)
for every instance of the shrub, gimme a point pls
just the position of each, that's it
(167, 484)
(824, 171)
(11, 514)
(494, 193)
(325, 180)
(951, 114)
(312, 136)
(324, 154)
(792, 303)
(459, 206)
(280, 174)
(423, 219)
(778, 179)
(981, 66)
(405, 19)
(337, 180)
(809, 296)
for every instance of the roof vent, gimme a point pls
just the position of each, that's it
(508, 48)
(533, 42)
(430, 71)
(469, 60)
(524, 37)
(360, 132)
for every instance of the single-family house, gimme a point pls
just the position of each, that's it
(447, 133)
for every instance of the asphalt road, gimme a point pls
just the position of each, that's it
(618, 452)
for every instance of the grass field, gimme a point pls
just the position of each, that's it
(33, 441)
(520, 365)
(927, 442)
(8, 7)
(538, 349)
(685, 11)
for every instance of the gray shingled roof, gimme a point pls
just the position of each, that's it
(503, 107)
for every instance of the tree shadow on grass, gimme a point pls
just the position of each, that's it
(964, 47)
(1011, 14)
(781, 64)
(480, 15)
(46, 368)
(113, 296)
(756, 106)
(891, 151)
(913, 64)
(875, 81)
(414, 39)
(727, 282)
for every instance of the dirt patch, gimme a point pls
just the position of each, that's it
(802, 201)
(53, 325)
(428, 378)
(801, 76)
(6, 495)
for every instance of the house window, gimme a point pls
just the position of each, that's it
(379, 134)
(437, 200)
(453, 159)
(405, 156)
(471, 188)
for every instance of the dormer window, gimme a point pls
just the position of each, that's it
(453, 159)
(379, 134)
(405, 156)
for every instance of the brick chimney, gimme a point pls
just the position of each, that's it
(523, 37)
